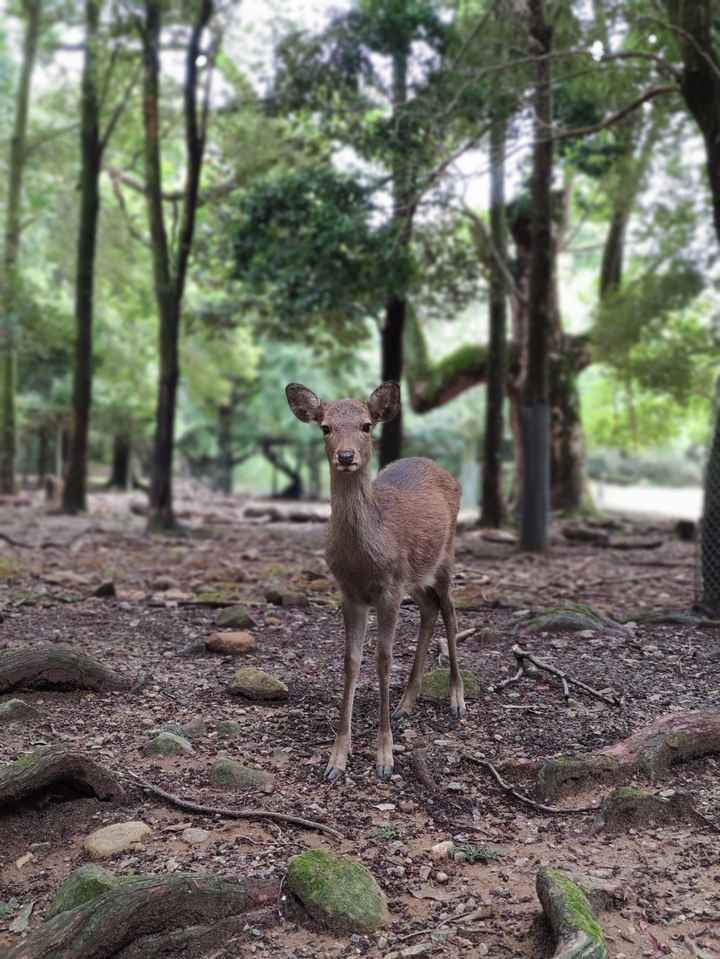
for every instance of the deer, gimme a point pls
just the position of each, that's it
(387, 538)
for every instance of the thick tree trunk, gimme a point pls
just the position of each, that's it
(75, 492)
(567, 451)
(9, 281)
(392, 368)
(535, 414)
(120, 469)
(710, 527)
(492, 507)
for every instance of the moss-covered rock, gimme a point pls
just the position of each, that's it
(85, 883)
(235, 616)
(196, 728)
(571, 617)
(256, 684)
(630, 808)
(168, 744)
(436, 685)
(577, 932)
(228, 727)
(337, 891)
(234, 775)
(16, 710)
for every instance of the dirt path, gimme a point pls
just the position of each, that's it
(669, 876)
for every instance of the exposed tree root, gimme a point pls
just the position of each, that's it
(419, 765)
(56, 768)
(50, 666)
(575, 929)
(143, 917)
(526, 800)
(671, 739)
(229, 813)
(524, 658)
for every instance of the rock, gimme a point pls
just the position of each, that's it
(105, 590)
(85, 883)
(277, 597)
(571, 617)
(168, 744)
(442, 850)
(230, 773)
(14, 710)
(194, 836)
(576, 931)
(257, 684)
(105, 842)
(162, 583)
(441, 878)
(436, 685)
(235, 616)
(338, 892)
(228, 727)
(196, 728)
(232, 644)
(629, 808)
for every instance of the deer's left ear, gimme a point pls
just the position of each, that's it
(304, 403)
(384, 402)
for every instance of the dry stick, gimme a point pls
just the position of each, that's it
(511, 791)
(523, 657)
(226, 813)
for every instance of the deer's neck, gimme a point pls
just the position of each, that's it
(355, 517)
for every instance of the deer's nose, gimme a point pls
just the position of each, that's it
(345, 457)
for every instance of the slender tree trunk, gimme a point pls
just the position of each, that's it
(224, 475)
(169, 284)
(11, 250)
(396, 306)
(75, 490)
(535, 412)
(43, 457)
(492, 507)
(120, 469)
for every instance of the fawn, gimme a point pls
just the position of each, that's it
(386, 539)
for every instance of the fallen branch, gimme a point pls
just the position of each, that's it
(670, 739)
(50, 666)
(523, 657)
(157, 906)
(511, 791)
(228, 813)
(56, 768)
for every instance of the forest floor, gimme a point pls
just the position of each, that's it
(667, 876)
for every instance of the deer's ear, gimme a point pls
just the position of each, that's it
(303, 402)
(384, 402)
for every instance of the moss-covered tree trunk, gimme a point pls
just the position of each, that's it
(31, 10)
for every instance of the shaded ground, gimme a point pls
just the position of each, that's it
(669, 876)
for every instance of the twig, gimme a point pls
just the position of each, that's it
(523, 657)
(467, 633)
(511, 791)
(226, 813)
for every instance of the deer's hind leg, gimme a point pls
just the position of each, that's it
(429, 605)
(457, 693)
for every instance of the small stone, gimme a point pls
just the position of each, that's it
(108, 840)
(232, 774)
(228, 727)
(194, 836)
(235, 616)
(236, 643)
(277, 598)
(14, 710)
(442, 850)
(105, 590)
(162, 583)
(257, 684)
(24, 860)
(85, 883)
(168, 744)
(441, 877)
(196, 728)
(407, 805)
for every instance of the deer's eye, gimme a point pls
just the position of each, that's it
(366, 427)
(325, 429)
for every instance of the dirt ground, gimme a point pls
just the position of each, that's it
(668, 876)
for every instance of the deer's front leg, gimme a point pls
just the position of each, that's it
(387, 616)
(355, 617)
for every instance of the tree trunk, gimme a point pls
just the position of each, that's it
(294, 490)
(224, 472)
(392, 368)
(13, 228)
(710, 527)
(75, 491)
(535, 414)
(169, 285)
(43, 456)
(120, 470)
(491, 506)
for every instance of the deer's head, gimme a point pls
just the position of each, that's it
(346, 424)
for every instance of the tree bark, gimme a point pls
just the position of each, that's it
(535, 413)
(75, 491)
(43, 456)
(391, 370)
(53, 767)
(224, 472)
(169, 283)
(120, 469)
(492, 508)
(55, 667)
(13, 229)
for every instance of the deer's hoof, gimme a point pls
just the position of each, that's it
(332, 774)
(384, 772)
(457, 712)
